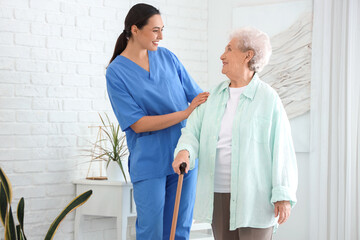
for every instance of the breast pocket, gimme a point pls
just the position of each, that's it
(260, 129)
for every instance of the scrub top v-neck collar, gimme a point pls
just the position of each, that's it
(142, 70)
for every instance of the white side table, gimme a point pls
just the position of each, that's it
(109, 199)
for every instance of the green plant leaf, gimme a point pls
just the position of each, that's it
(20, 216)
(20, 234)
(102, 120)
(3, 205)
(6, 184)
(122, 170)
(105, 127)
(109, 137)
(108, 119)
(76, 202)
(117, 130)
(114, 136)
(101, 157)
(10, 232)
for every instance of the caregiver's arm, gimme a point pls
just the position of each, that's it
(154, 123)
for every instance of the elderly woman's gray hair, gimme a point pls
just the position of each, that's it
(250, 38)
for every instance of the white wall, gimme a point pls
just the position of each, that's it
(53, 56)
(219, 26)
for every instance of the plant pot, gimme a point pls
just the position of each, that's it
(114, 172)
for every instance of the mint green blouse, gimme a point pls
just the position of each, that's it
(263, 162)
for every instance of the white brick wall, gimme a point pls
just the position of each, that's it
(53, 56)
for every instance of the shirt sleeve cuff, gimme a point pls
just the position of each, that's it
(281, 193)
(130, 121)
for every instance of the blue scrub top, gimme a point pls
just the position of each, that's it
(134, 93)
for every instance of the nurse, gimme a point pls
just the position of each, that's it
(150, 92)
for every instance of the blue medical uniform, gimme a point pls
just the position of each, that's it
(135, 93)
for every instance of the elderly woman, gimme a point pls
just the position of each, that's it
(247, 176)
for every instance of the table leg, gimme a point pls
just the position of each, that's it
(121, 225)
(77, 233)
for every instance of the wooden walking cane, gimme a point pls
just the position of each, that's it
(177, 200)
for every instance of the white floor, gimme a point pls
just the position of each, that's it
(199, 231)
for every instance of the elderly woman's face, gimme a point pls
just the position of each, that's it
(234, 60)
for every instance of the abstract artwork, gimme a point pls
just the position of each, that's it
(289, 71)
(289, 26)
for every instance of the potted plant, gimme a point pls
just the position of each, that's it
(16, 231)
(114, 149)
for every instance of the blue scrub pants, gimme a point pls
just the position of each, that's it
(155, 199)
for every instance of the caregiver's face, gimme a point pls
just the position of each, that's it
(233, 59)
(150, 35)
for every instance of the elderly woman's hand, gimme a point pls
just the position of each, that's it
(282, 209)
(182, 156)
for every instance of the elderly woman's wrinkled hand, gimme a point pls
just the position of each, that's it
(182, 156)
(282, 209)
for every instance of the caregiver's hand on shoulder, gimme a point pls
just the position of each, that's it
(182, 156)
(282, 209)
(199, 99)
